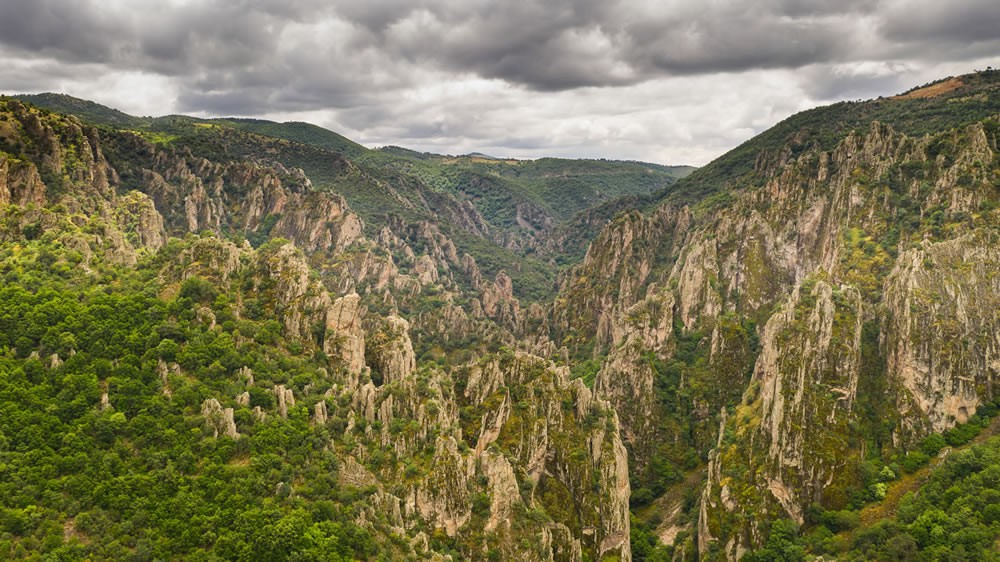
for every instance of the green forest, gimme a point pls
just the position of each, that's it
(141, 477)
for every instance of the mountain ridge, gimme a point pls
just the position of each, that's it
(514, 208)
(735, 366)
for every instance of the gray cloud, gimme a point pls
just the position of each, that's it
(569, 75)
(959, 21)
(69, 31)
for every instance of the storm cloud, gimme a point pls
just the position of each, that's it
(672, 81)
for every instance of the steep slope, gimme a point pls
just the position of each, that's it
(171, 391)
(816, 300)
(515, 205)
(760, 348)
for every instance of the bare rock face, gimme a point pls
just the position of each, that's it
(319, 221)
(111, 242)
(389, 351)
(353, 473)
(282, 279)
(942, 335)
(219, 419)
(320, 413)
(795, 416)
(698, 300)
(62, 150)
(470, 268)
(612, 275)
(20, 184)
(498, 300)
(811, 219)
(345, 338)
(426, 270)
(444, 499)
(286, 399)
(194, 194)
(138, 218)
(626, 377)
(503, 491)
(208, 258)
(440, 247)
(529, 434)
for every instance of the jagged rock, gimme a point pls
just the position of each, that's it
(389, 351)
(345, 338)
(20, 184)
(258, 414)
(698, 300)
(426, 270)
(136, 215)
(529, 433)
(163, 369)
(799, 412)
(352, 473)
(246, 373)
(498, 300)
(626, 377)
(444, 499)
(942, 346)
(321, 415)
(472, 271)
(219, 419)
(282, 277)
(440, 247)
(318, 220)
(286, 399)
(209, 258)
(617, 265)
(503, 490)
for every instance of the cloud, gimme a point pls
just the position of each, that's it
(672, 80)
(919, 22)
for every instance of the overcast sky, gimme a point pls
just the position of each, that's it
(669, 81)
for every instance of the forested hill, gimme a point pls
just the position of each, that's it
(243, 340)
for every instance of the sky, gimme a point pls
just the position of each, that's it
(667, 81)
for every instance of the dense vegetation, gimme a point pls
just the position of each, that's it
(949, 510)
(142, 478)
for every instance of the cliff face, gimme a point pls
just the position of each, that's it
(941, 330)
(256, 199)
(795, 419)
(740, 330)
(475, 447)
(937, 346)
(749, 346)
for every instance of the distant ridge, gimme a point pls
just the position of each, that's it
(84, 109)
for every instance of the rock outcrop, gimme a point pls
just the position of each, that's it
(219, 420)
(942, 331)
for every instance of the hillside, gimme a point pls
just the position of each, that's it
(973, 99)
(228, 366)
(501, 212)
(238, 339)
(797, 315)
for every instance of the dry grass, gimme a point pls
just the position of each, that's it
(933, 90)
